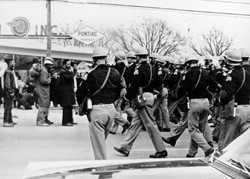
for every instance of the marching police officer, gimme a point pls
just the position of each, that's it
(103, 111)
(235, 97)
(194, 85)
(144, 76)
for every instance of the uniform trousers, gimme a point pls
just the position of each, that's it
(144, 116)
(42, 115)
(197, 120)
(101, 120)
(232, 127)
(178, 131)
(7, 109)
(163, 114)
(118, 120)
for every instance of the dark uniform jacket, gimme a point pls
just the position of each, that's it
(111, 91)
(120, 67)
(163, 78)
(233, 83)
(189, 81)
(141, 78)
(67, 94)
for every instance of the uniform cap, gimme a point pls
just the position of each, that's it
(131, 54)
(48, 60)
(99, 52)
(233, 57)
(141, 51)
(244, 53)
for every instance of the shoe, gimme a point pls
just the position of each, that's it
(68, 124)
(123, 151)
(14, 123)
(49, 122)
(43, 124)
(8, 124)
(125, 127)
(174, 120)
(190, 156)
(74, 123)
(215, 139)
(169, 140)
(162, 154)
(111, 132)
(211, 144)
(165, 129)
(209, 152)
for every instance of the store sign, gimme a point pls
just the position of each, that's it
(20, 26)
(87, 35)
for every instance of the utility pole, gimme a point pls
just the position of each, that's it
(48, 28)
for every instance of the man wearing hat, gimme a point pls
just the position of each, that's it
(235, 98)
(10, 86)
(42, 90)
(120, 66)
(194, 85)
(105, 87)
(144, 76)
(162, 113)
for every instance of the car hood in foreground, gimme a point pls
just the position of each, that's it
(146, 169)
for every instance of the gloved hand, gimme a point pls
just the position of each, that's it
(12, 95)
(124, 103)
(217, 102)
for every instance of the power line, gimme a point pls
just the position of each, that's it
(161, 8)
(232, 2)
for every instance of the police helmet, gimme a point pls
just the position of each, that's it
(99, 52)
(244, 53)
(120, 55)
(208, 58)
(190, 58)
(141, 51)
(131, 54)
(233, 57)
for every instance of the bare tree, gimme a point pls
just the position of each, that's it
(154, 34)
(214, 42)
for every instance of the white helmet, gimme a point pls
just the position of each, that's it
(99, 52)
(141, 51)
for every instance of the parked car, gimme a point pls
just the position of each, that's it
(231, 162)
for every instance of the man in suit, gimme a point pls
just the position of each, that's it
(10, 86)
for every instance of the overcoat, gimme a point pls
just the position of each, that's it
(42, 88)
(67, 94)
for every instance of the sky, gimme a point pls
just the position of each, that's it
(99, 16)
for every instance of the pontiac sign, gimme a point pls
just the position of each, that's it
(87, 35)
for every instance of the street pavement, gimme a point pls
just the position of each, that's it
(27, 142)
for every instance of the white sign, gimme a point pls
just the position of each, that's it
(87, 35)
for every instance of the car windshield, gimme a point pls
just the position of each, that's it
(238, 150)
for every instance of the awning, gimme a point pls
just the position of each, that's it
(31, 47)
